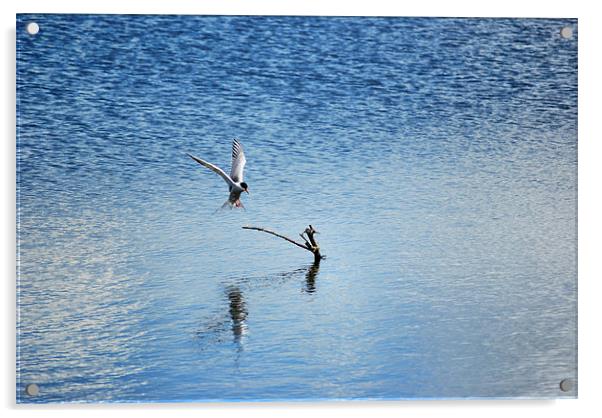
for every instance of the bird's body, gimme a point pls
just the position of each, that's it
(234, 198)
(236, 185)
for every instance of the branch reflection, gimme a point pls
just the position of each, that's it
(238, 313)
(234, 321)
(310, 277)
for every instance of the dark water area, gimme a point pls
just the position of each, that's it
(436, 157)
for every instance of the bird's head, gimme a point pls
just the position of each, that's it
(244, 186)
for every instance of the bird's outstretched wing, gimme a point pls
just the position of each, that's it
(238, 161)
(213, 168)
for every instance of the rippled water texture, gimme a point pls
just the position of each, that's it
(437, 158)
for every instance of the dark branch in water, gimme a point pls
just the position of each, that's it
(278, 235)
(307, 244)
(310, 245)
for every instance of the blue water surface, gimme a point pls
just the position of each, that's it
(437, 158)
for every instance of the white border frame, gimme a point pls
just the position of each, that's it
(590, 209)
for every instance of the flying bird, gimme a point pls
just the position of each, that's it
(236, 185)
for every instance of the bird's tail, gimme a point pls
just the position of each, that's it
(226, 204)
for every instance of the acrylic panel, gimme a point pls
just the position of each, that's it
(415, 179)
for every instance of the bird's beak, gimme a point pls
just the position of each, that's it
(247, 190)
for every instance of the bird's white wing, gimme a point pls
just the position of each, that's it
(238, 161)
(213, 168)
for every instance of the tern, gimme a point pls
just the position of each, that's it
(236, 185)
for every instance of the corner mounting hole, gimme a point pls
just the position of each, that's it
(566, 385)
(32, 389)
(566, 32)
(33, 28)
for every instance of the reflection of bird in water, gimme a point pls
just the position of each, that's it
(236, 185)
(238, 313)
(310, 277)
(235, 320)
